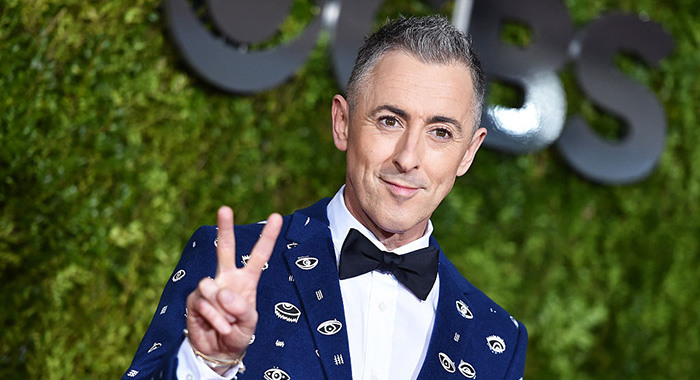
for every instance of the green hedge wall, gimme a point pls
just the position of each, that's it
(111, 154)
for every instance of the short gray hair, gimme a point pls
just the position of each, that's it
(431, 39)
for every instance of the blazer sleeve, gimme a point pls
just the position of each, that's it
(517, 365)
(156, 357)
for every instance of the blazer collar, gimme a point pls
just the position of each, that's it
(307, 222)
(454, 326)
(311, 260)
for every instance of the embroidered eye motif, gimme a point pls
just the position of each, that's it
(496, 344)
(446, 362)
(467, 370)
(245, 258)
(287, 312)
(306, 262)
(154, 347)
(276, 374)
(179, 275)
(330, 327)
(463, 310)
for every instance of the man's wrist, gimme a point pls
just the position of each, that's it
(220, 366)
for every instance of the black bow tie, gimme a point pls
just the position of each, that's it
(415, 270)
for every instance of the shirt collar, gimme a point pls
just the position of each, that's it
(341, 221)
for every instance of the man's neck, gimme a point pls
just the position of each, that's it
(391, 240)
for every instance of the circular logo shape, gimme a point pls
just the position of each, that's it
(330, 327)
(306, 262)
(463, 310)
(446, 362)
(287, 312)
(276, 374)
(496, 344)
(467, 370)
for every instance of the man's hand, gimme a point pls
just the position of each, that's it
(221, 311)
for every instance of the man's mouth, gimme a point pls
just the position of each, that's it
(400, 188)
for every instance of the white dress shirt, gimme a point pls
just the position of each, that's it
(388, 327)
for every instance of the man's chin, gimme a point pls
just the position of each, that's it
(400, 224)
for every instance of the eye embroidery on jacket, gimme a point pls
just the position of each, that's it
(179, 275)
(463, 310)
(276, 374)
(496, 344)
(466, 369)
(154, 347)
(245, 258)
(330, 327)
(306, 262)
(287, 312)
(446, 362)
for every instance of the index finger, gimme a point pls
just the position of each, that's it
(263, 248)
(226, 241)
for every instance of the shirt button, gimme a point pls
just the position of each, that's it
(383, 306)
(375, 377)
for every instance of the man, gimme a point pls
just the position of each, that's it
(314, 295)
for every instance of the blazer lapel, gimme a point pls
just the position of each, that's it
(453, 329)
(312, 262)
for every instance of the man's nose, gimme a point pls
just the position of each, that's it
(409, 150)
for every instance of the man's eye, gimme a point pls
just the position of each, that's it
(442, 133)
(389, 121)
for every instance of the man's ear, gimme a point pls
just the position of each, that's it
(477, 139)
(340, 111)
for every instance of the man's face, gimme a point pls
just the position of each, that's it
(408, 137)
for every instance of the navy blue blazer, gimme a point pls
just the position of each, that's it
(301, 331)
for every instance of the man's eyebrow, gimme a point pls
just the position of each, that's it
(385, 107)
(447, 120)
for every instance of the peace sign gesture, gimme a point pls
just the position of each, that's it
(221, 311)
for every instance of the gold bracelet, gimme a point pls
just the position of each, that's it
(212, 362)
